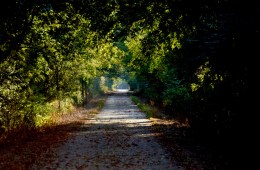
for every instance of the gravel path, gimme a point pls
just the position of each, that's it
(116, 138)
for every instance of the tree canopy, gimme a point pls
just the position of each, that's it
(191, 58)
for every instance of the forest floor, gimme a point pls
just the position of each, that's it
(119, 137)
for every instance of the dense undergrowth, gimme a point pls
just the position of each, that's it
(55, 114)
(191, 149)
(22, 148)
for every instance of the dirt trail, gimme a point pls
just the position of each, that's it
(116, 138)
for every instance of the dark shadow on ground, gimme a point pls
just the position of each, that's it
(182, 146)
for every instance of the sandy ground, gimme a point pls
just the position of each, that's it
(116, 138)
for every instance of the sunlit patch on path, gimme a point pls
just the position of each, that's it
(116, 138)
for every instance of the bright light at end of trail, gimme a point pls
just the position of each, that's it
(122, 90)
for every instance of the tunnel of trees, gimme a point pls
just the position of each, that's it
(190, 58)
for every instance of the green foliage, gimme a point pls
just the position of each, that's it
(186, 56)
(135, 99)
(102, 85)
(147, 109)
(77, 98)
(42, 75)
(189, 58)
(176, 99)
